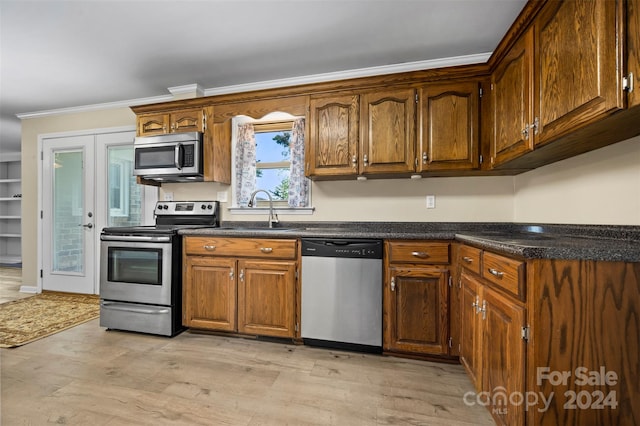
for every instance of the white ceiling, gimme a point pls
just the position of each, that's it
(60, 54)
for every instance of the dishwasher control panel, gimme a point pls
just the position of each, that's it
(342, 247)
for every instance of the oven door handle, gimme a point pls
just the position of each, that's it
(135, 238)
(122, 307)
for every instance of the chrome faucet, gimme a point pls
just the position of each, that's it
(273, 218)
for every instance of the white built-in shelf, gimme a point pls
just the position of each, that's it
(11, 217)
(10, 206)
(10, 180)
(10, 198)
(10, 235)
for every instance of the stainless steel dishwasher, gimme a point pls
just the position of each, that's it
(342, 293)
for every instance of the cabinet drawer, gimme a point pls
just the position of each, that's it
(504, 272)
(418, 252)
(241, 247)
(470, 258)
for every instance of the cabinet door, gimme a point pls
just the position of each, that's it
(503, 356)
(266, 297)
(209, 293)
(471, 331)
(449, 117)
(153, 124)
(188, 120)
(333, 140)
(633, 50)
(512, 100)
(578, 66)
(417, 314)
(388, 132)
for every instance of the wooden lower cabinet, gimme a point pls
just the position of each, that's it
(470, 333)
(416, 298)
(224, 292)
(209, 293)
(418, 310)
(568, 343)
(503, 356)
(266, 290)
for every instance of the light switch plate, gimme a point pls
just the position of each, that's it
(168, 196)
(222, 196)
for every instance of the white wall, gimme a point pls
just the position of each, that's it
(400, 200)
(599, 187)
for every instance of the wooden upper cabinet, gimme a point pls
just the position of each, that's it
(578, 70)
(448, 126)
(513, 103)
(153, 124)
(633, 51)
(387, 131)
(332, 145)
(188, 120)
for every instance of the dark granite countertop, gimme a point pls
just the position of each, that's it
(530, 241)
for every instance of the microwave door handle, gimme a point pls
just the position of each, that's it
(179, 156)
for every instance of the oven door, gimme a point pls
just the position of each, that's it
(136, 269)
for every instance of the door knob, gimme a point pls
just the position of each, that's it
(88, 225)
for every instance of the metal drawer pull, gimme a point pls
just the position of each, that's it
(393, 283)
(266, 249)
(496, 273)
(467, 259)
(420, 254)
(210, 248)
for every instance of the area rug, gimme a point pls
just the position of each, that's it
(26, 320)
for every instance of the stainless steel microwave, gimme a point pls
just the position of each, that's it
(174, 157)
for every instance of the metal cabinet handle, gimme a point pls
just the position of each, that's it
(424, 158)
(525, 132)
(354, 161)
(484, 309)
(393, 283)
(476, 305)
(420, 254)
(535, 126)
(365, 159)
(209, 247)
(241, 276)
(231, 274)
(495, 272)
(266, 249)
(467, 259)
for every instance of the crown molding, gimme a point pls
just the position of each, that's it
(269, 84)
(480, 58)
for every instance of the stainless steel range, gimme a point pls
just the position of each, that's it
(141, 269)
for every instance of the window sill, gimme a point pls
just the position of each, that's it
(276, 210)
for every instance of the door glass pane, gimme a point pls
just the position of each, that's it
(125, 196)
(68, 205)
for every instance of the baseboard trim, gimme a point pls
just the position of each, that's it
(28, 289)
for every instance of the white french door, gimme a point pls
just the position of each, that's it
(87, 184)
(69, 214)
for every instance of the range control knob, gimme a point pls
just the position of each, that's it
(210, 207)
(204, 206)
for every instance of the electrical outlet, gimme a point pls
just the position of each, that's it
(431, 201)
(222, 196)
(168, 196)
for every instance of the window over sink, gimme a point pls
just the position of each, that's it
(268, 154)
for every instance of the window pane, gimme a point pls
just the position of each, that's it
(269, 150)
(68, 205)
(275, 181)
(125, 195)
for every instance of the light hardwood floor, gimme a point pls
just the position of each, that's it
(89, 376)
(10, 282)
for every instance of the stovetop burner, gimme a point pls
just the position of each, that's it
(172, 216)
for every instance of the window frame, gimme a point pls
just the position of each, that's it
(279, 126)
